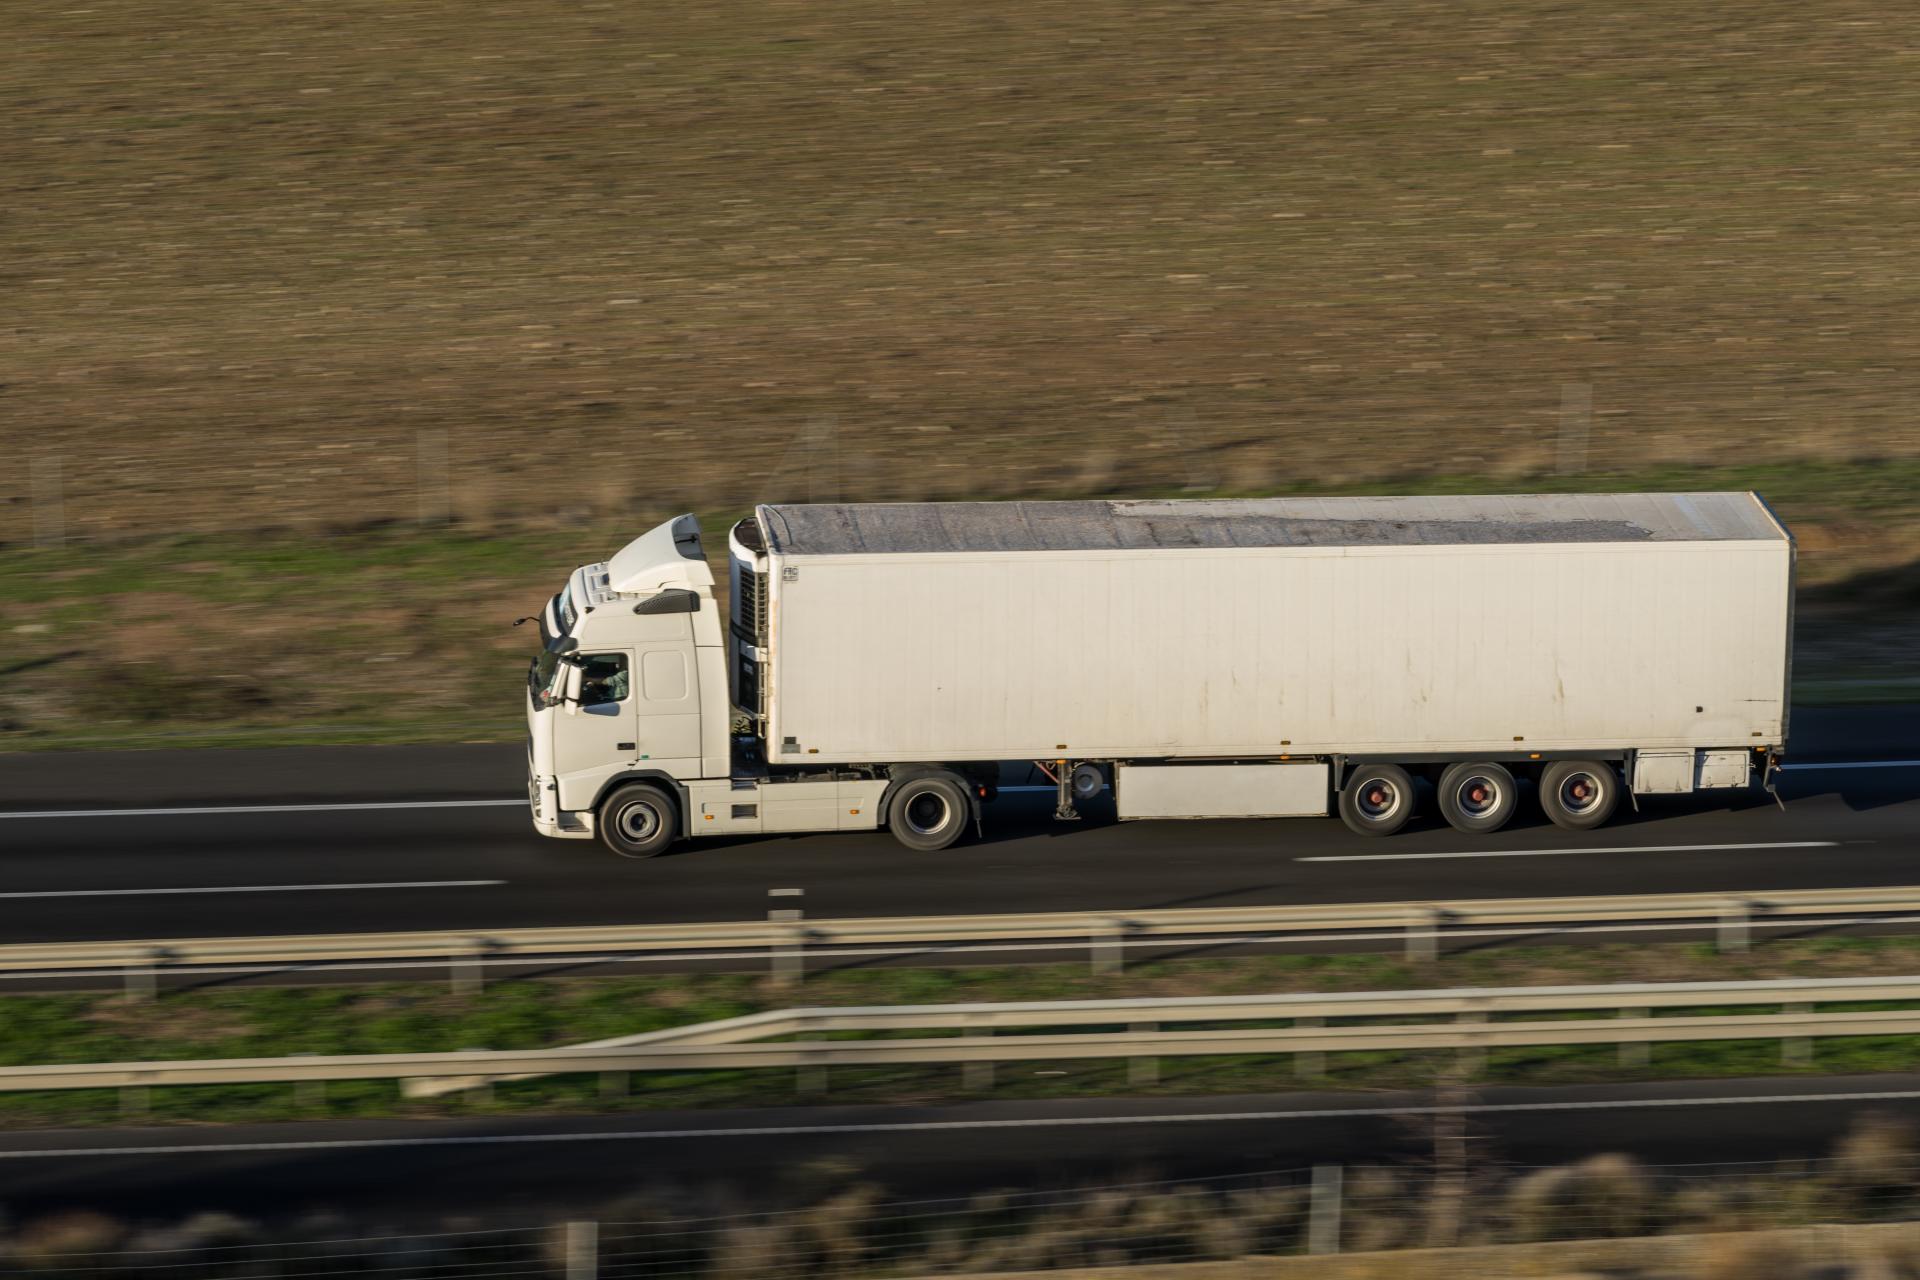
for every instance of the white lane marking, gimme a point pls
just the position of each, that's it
(1564, 853)
(252, 888)
(263, 808)
(1855, 764)
(950, 1126)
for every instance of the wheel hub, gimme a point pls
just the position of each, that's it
(927, 813)
(1479, 796)
(638, 822)
(1580, 793)
(1379, 800)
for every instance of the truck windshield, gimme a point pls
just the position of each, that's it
(564, 612)
(542, 675)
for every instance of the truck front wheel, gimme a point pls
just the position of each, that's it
(928, 814)
(1579, 794)
(639, 821)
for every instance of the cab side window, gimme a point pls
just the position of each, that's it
(603, 679)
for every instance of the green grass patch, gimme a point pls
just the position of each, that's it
(405, 635)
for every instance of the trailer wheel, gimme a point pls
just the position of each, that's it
(1477, 796)
(1579, 794)
(1377, 800)
(928, 813)
(639, 821)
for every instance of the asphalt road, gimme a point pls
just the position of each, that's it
(255, 842)
(537, 1168)
(356, 839)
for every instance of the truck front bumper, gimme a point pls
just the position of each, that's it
(543, 803)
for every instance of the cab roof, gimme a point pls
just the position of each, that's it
(667, 555)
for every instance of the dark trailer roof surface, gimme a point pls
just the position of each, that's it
(922, 527)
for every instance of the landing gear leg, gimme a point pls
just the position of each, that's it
(1062, 779)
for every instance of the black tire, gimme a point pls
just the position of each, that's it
(1477, 796)
(1579, 794)
(929, 813)
(1088, 781)
(1377, 800)
(639, 821)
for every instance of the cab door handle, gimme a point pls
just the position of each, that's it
(626, 746)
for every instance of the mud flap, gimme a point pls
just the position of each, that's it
(1767, 780)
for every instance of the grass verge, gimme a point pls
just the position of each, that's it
(403, 634)
(393, 1018)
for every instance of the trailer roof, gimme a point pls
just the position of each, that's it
(918, 527)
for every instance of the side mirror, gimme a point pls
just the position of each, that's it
(570, 688)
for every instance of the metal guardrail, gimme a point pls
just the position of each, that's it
(1470, 1019)
(1423, 925)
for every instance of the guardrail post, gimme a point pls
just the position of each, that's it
(582, 1250)
(1423, 934)
(1797, 1051)
(789, 957)
(143, 978)
(977, 1076)
(1310, 1064)
(1473, 1058)
(810, 1077)
(614, 1084)
(309, 1094)
(1734, 921)
(1635, 1053)
(482, 1093)
(467, 967)
(1109, 946)
(1143, 1070)
(1323, 1209)
(135, 1101)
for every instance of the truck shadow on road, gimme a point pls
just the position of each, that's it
(1016, 819)
(1858, 789)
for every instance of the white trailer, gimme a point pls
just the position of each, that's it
(1266, 657)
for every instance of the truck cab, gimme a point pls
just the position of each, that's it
(630, 682)
(630, 716)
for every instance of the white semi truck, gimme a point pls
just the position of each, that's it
(882, 663)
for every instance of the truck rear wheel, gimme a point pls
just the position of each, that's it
(639, 821)
(1477, 796)
(929, 813)
(1579, 794)
(1377, 800)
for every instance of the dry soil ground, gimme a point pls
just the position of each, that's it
(642, 255)
(273, 269)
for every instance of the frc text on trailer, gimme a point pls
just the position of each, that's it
(1260, 658)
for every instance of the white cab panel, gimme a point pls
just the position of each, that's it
(785, 807)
